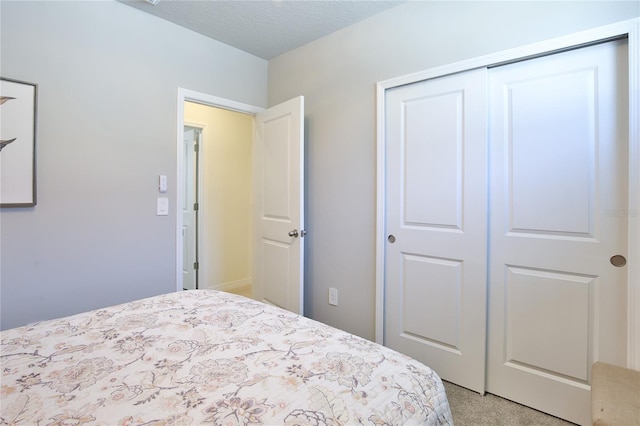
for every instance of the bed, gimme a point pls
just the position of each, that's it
(208, 357)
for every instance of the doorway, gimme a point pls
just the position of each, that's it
(218, 196)
(277, 196)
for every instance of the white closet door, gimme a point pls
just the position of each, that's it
(558, 177)
(436, 192)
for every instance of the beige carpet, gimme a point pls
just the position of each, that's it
(472, 409)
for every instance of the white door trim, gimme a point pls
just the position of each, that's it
(629, 29)
(201, 98)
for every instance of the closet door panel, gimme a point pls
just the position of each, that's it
(435, 271)
(558, 164)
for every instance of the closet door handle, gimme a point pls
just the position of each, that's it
(618, 260)
(293, 233)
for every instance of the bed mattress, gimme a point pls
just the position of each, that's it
(207, 357)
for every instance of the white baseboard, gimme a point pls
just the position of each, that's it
(231, 285)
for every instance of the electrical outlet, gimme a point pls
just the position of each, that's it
(333, 296)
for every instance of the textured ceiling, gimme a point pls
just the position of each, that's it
(265, 28)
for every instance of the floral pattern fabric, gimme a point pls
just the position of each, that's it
(206, 357)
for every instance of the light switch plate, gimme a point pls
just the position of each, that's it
(162, 183)
(162, 206)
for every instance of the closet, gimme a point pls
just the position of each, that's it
(504, 259)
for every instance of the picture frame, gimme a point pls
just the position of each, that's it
(18, 120)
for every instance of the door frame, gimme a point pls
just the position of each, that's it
(204, 99)
(629, 29)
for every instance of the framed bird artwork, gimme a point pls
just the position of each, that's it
(18, 112)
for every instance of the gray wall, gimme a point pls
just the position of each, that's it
(337, 76)
(107, 77)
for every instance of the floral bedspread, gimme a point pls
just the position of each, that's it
(198, 357)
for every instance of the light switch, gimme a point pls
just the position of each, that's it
(162, 183)
(162, 206)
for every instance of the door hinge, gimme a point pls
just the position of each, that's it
(196, 147)
(196, 265)
(195, 206)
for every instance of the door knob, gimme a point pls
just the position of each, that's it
(293, 233)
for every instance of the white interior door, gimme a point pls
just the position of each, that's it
(558, 172)
(436, 203)
(189, 229)
(278, 203)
